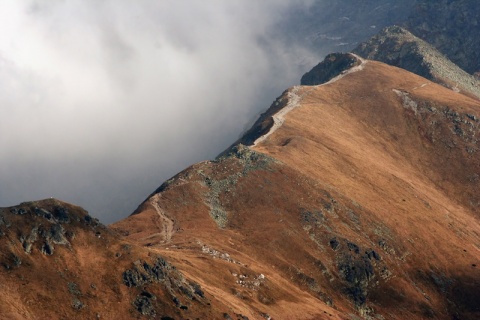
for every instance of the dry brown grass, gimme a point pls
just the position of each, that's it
(351, 164)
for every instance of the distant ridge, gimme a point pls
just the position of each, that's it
(398, 47)
(451, 26)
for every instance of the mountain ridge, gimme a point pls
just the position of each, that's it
(451, 27)
(345, 209)
(398, 47)
(354, 195)
(222, 181)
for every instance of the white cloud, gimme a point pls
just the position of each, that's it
(102, 100)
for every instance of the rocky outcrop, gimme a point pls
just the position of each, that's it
(50, 224)
(60, 260)
(332, 25)
(332, 66)
(398, 47)
(181, 292)
(450, 26)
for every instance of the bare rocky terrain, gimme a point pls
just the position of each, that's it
(450, 26)
(398, 47)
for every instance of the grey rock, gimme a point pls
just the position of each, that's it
(47, 248)
(77, 304)
(334, 244)
(372, 254)
(57, 234)
(353, 247)
(333, 65)
(144, 304)
(398, 47)
(73, 289)
(162, 272)
(61, 215)
(28, 241)
(452, 27)
(43, 213)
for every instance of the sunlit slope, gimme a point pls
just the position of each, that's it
(363, 200)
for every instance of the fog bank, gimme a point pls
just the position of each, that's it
(101, 101)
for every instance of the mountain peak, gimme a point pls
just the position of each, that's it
(331, 212)
(398, 47)
(354, 195)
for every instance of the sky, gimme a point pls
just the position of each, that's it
(102, 101)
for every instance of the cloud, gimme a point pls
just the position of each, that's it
(100, 101)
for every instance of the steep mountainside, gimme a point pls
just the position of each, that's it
(355, 197)
(451, 26)
(358, 196)
(400, 48)
(57, 262)
(333, 65)
(340, 25)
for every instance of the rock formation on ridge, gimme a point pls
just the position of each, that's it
(398, 47)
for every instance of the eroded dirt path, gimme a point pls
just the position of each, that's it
(166, 227)
(294, 99)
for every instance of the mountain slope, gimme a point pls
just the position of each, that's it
(332, 25)
(57, 262)
(451, 26)
(400, 48)
(361, 197)
(356, 197)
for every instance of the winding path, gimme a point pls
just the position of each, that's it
(167, 229)
(294, 99)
